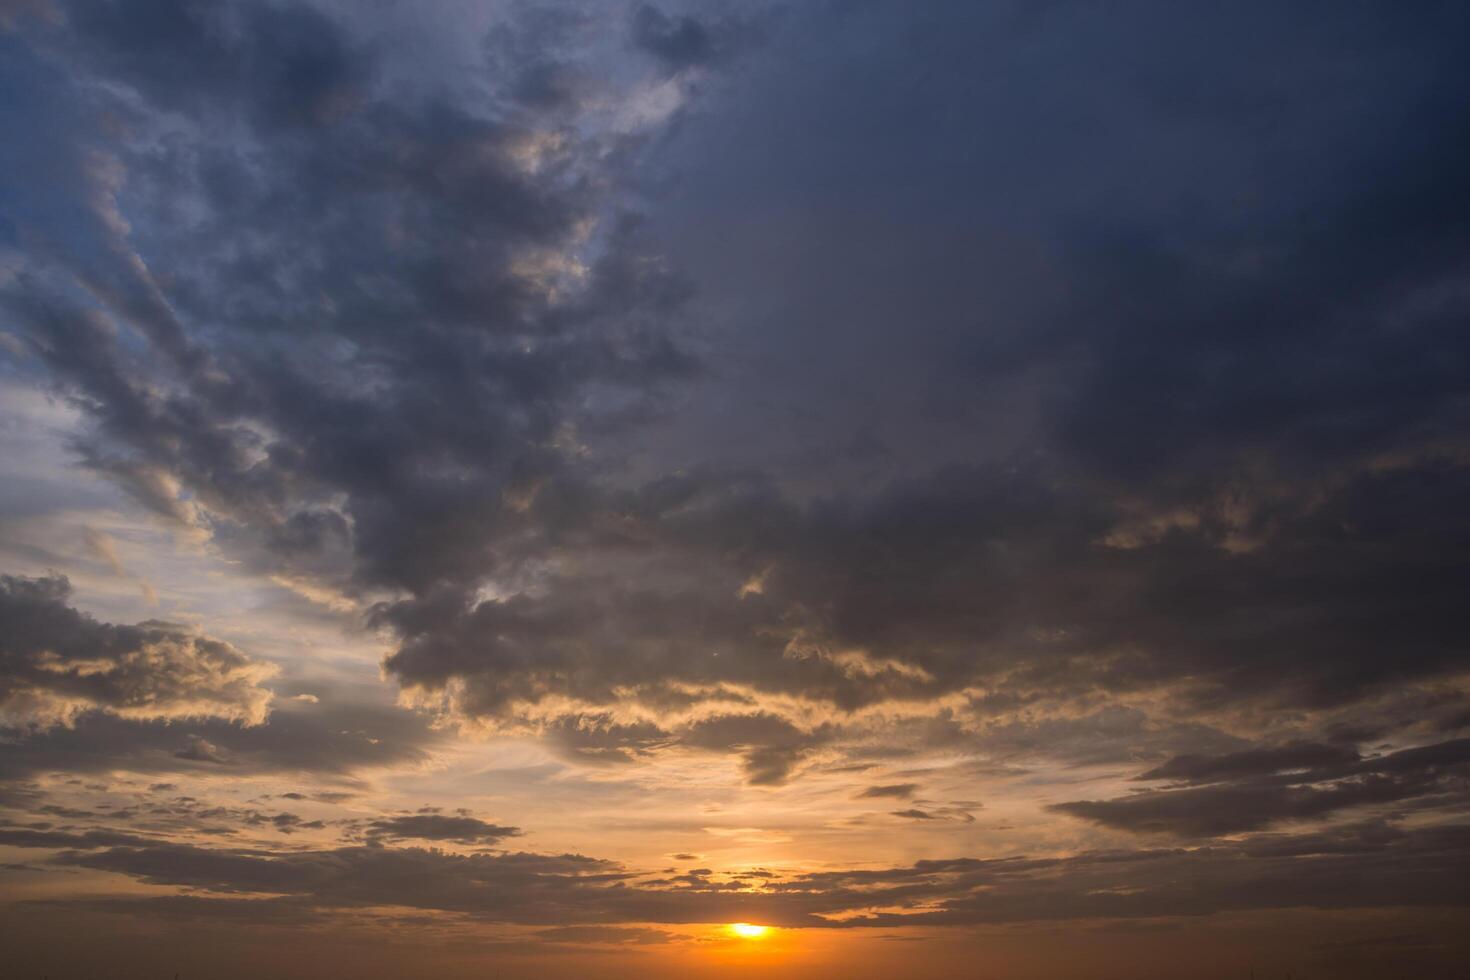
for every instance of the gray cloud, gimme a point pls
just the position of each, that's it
(1108, 355)
(420, 366)
(862, 603)
(901, 791)
(1252, 762)
(57, 663)
(199, 749)
(681, 41)
(334, 740)
(1249, 791)
(461, 829)
(84, 840)
(1372, 866)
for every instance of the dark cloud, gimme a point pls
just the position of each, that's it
(1023, 362)
(396, 341)
(1023, 384)
(1112, 313)
(81, 841)
(872, 601)
(57, 664)
(1249, 791)
(1244, 399)
(149, 820)
(1373, 868)
(200, 749)
(680, 41)
(771, 746)
(397, 211)
(277, 64)
(333, 740)
(461, 829)
(1252, 762)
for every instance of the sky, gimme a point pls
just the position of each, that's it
(502, 488)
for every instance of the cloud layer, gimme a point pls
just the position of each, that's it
(57, 664)
(1360, 866)
(945, 464)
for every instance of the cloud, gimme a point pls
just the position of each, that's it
(1070, 394)
(1372, 866)
(772, 747)
(104, 548)
(678, 42)
(1250, 791)
(334, 741)
(440, 442)
(461, 829)
(900, 791)
(57, 664)
(836, 627)
(1252, 762)
(599, 935)
(441, 222)
(85, 840)
(683, 41)
(544, 372)
(198, 749)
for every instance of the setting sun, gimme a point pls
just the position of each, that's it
(747, 931)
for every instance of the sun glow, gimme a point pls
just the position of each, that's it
(747, 931)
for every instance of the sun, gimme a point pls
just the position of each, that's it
(747, 931)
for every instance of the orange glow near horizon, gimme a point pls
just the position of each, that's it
(746, 930)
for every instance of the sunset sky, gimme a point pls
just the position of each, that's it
(799, 488)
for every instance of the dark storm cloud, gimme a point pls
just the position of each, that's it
(1001, 575)
(1111, 352)
(1223, 202)
(1235, 332)
(286, 64)
(378, 265)
(680, 41)
(1257, 793)
(57, 663)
